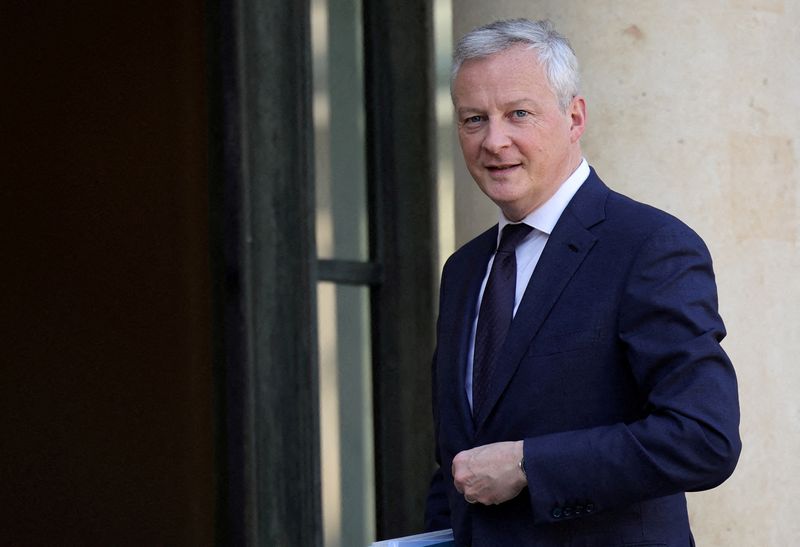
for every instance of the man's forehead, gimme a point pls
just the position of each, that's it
(505, 84)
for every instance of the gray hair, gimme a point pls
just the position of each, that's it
(553, 50)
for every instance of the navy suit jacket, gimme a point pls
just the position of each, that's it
(612, 373)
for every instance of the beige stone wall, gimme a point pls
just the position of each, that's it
(695, 107)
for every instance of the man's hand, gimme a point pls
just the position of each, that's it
(489, 474)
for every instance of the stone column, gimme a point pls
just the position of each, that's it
(694, 108)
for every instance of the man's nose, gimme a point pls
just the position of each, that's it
(496, 137)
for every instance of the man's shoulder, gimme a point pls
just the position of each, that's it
(624, 213)
(644, 230)
(627, 223)
(621, 207)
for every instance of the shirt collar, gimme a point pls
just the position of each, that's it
(545, 217)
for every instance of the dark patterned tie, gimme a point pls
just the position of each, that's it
(497, 310)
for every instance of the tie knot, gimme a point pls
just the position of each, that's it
(513, 234)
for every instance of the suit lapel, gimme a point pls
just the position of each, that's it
(566, 249)
(465, 295)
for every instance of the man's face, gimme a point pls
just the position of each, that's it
(518, 144)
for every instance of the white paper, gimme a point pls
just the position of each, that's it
(440, 538)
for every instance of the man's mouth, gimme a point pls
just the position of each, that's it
(502, 168)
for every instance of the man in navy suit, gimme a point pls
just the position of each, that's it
(577, 398)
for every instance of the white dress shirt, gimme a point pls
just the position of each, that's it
(542, 220)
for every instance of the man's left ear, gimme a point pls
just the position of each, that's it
(578, 117)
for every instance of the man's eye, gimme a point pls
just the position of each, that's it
(520, 113)
(473, 119)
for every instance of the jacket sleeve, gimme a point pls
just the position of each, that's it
(686, 437)
(437, 508)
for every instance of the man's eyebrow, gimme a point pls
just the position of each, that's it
(510, 105)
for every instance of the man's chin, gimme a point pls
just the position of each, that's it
(503, 194)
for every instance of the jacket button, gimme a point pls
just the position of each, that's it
(578, 509)
(556, 512)
(590, 507)
(567, 511)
